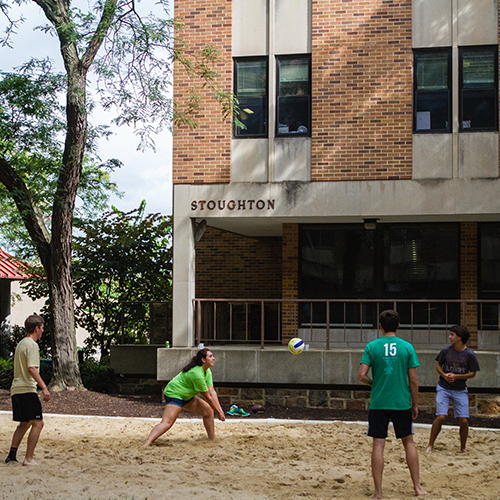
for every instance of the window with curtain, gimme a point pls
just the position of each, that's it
(294, 96)
(250, 89)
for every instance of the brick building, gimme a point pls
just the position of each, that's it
(367, 174)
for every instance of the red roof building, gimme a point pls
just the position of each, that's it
(11, 268)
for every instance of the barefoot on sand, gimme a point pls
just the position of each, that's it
(89, 457)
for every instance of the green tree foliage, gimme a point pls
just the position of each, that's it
(121, 257)
(130, 52)
(31, 134)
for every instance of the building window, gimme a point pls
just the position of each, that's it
(394, 261)
(478, 88)
(251, 92)
(432, 90)
(489, 273)
(293, 95)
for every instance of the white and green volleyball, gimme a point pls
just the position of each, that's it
(296, 346)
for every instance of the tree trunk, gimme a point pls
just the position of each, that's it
(66, 371)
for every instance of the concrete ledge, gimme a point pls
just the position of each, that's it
(134, 359)
(315, 367)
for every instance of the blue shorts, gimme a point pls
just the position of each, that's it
(378, 422)
(26, 407)
(177, 401)
(460, 400)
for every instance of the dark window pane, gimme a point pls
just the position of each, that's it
(336, 263)
(432, 71)
(433, 111)
(478, 68)
(253, 113)
(489, 282)
(421, 261)
(479, 109)
(293, 115)
(251, 79)
(293, 77)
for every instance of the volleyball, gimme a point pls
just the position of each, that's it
(296, 346)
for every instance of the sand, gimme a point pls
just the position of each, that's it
(103, 458)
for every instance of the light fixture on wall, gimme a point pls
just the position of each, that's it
(370, 224)
(200, 230)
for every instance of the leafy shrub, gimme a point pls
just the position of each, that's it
(6, 373)
(98, 376)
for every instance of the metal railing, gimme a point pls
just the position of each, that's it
(340, 321)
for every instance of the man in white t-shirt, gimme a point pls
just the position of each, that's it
(26, 406)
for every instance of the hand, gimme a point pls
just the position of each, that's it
(450, 377)
(221, 416)
(414, 412)
(46, 394)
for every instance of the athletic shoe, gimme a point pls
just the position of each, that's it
(239, 412)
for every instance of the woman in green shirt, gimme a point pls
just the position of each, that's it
(184, 391)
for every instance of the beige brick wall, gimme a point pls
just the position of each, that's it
(362, 90)
(469, 276)
(203, 155)
(232, 266)
(290, 286)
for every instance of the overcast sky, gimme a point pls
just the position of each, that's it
(144, 176)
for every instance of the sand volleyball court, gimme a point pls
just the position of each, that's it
(103, 458)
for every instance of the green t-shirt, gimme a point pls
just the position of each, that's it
(390, 358)
(187, 385)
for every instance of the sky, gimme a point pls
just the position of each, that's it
(144, 175)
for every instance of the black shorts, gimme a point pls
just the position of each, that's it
(378, 422)
(26, 407)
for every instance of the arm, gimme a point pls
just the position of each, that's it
(213, 400)
(363, 374)
(413, 380)
(451, 377)
(36, 375)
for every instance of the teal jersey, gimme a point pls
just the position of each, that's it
(186, 385)
(390, 358)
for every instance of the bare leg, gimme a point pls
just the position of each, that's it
(412, 461)
(19, 433)
(378, 465)
(170, 415)
(201, 407)
(464, 433)
(435, 430)
(36, 429)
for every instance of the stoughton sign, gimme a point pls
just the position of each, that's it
(232, 205)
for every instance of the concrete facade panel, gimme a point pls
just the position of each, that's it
(477, 22)
(249, 160)
(478, 155)
(293, 27)
(292, 159)
(249, 28)
(432, 156)
(432, 23)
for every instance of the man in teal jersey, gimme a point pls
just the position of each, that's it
(394, 396)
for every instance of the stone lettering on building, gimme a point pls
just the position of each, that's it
(232, 204)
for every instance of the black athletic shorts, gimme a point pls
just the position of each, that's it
(378, 422)
(26, 407)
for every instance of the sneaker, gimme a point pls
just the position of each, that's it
(235, 411)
